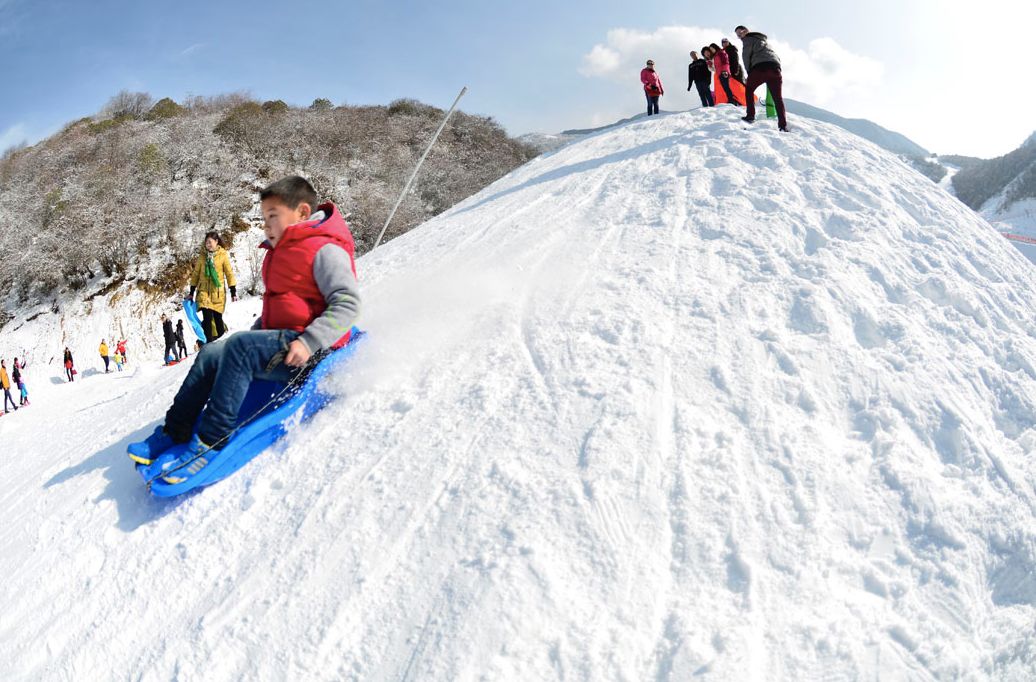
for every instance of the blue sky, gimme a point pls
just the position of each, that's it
(534, 65)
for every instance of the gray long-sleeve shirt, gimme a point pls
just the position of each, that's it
(756, 51)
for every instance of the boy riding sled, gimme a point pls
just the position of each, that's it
(310, 303)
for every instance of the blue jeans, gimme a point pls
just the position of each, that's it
(652, 103)
(220, 376)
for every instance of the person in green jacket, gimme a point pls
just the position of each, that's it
(211, 277)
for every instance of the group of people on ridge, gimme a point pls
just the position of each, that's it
(19, 381)
(763, 65)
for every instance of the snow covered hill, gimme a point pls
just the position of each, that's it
(680, 400)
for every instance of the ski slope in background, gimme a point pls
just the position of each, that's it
(680, 400)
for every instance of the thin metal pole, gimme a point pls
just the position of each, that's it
(418, 167)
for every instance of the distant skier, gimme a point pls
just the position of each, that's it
(698, 75)
(121, 348)
(118, 360)
(5, 382)
(213, 265)
(721, 65)
(310, 303)
(69, 365)
(763, 67)
(103, 350)
(652, 86)
(19, 381)
(735, 61)
(181, 345)
(169, 355)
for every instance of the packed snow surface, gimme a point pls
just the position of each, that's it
(680, 400)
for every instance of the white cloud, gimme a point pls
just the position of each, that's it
(822, 73)
(15, 135)
(191, 50)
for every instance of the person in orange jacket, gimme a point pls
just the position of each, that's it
(5, 383)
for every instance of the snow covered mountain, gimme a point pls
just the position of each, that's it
(1002, 190)
(680, 400)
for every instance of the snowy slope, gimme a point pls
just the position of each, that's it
(679, 400)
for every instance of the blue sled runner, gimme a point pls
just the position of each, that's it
(260, 424)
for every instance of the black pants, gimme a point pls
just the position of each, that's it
(105, 358)
(170, 350)
(725, 82)
(652, 104)
(69, 374)
(7, 396)
(181, 347)
(704, 92)
(212, 324)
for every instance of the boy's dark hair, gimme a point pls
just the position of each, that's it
(738, 28)
(292, 191)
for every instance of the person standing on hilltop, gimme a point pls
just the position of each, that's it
(69, 365)
(763, 67)
(652, 86)
(735, 61)
(721, 65)
(698, 75)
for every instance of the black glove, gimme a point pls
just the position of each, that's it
(233, 291)
(190, 296)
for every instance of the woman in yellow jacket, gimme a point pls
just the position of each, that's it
(212, 274)
(103, 350)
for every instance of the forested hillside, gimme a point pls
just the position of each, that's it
(1012, 177)
(128, 193)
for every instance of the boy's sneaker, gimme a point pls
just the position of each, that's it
(146, 451)
(190, 461)
(747, 119)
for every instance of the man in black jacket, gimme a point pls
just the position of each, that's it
(170, 340)
(698, 74)
(763, 67)
(735, 61)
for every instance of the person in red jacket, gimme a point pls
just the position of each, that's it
(310, 303)
(652, 86)
(721, 65)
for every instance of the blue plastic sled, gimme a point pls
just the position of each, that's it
(190, 309)
(264, 430)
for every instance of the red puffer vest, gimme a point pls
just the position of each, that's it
(292, 299)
